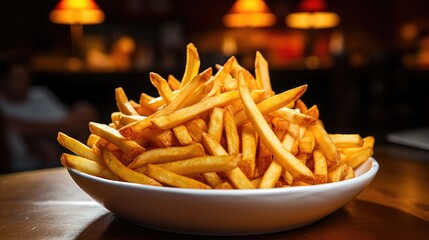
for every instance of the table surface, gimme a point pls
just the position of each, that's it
(47, 204)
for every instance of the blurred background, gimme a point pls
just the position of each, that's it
(367, 69)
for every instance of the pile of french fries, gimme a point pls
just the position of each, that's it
(227, 130)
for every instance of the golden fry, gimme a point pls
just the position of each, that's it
(116, 166)
(182, 115)
(181, 97)
(167, 154)
(262, 72)
(173, 82)
(203, 164)
(346, 140)
(271, 176)
(127, 146)
(122, 102)
(87, 166)
(192, 64)
(78, 148)
(320, 167)
(231, 133)
(248, 146)
(182, 135)
(216, 123)
(293, 116)
(236, 176)
(307, 142)
(162, 86)
(285, 158)
(339, 173)
(327, 146)
(173, 179)
(273, 103)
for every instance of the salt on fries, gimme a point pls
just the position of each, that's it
(223, 131)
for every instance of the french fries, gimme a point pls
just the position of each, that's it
(223, 130)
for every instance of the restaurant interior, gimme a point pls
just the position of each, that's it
(367, 67)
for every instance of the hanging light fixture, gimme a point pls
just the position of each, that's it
(249, 13)
(77, 13)
(312, 14)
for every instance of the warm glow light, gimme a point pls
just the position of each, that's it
(229, 46)
(312, 14)
(77, 12)
(316, 20)
(249, 13)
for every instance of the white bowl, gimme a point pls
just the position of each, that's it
(224, 212)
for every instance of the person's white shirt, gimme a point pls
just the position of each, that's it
(41, 105)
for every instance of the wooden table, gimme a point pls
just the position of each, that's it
(47, 204)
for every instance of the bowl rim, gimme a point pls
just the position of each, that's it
(363, 177)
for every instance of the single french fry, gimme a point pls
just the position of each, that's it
(173, 82)
(346, 140)
(273, 103)
(287, 177)
(203, 164)
(248, 77)
(320, 167)
(172, 179)
(313, 112)
(127, 119)
(307, 142)
(257, 96)
(325, 142)
(356, 156)
(224, 185)
(349, 173)
(199, 94)
(122, 102)
(196, 127)
(212, 179)
(369, 141)
(299, 104)
(236, 176)
(299, 183)
(182, 135)
(92, 140)
(271, 176)
(88, 166)
(182, 115)
(183, 94)
(192, 64)
(264, 158)
(151, 103)
(338, 173)
(262, 72)
(293, 116)
(291, 140)
(229, 84)
(220, 76)
(135, 129)
(161, 86)
(78, 148)
(167, 154)
(216, 124)
(285, 158)
(127, 146)
(116, 166)
(248, 149)
(158, 137)
(231, 133)
(280, 124)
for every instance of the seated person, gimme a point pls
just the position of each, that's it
(32, 117)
